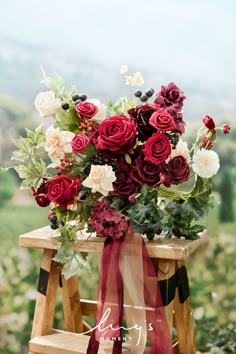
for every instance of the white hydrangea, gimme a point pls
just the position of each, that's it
(47, 104)
(205, 163)
(58, 142)
(100, 179)
(181, 149)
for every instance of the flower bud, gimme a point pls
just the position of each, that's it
(225, 129)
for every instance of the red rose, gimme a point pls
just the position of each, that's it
(62, 190)
(208, 122)
(146, 172)
(178, 170)
(86, 109)
(162, 120)
(141, 116)
(226, 129)
(124, 184)
(40, 195)
(79, 143)
(115, 134)
(157, 148)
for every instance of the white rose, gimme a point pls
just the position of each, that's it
(46, 103)
(181, 149)
(206, 163)
(101, 113)
(58, 142)
(123, 69)
(129, 80)
(100, 179)
(138, 79)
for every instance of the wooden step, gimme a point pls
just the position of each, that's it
(61, 342)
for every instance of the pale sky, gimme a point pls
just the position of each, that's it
(195, 38)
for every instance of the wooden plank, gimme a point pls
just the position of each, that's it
(166, 268)
(60, 342)
(184, 323)
(158, 248)
(71, 305)
(46, 298)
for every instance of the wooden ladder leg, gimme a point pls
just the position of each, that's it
(46, 296)
(184, 323)
(71, 305)
(166, 268)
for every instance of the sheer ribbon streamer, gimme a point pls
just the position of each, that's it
(127, 276)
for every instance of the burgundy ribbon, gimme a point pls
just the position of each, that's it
(110, 296)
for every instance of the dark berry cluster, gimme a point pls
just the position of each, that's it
(174, 138)
(65, 164)
(77, 98)
(144, 96)
(100, 159)
(54, 222)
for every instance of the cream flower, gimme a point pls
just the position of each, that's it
(181, 149)
(58, 142)
(129, 80)
(138, 79)
(46, 103)
(100, 179)
(123, 69)
(101, 113)
(206, 163)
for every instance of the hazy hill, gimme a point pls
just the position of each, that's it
(20, 76)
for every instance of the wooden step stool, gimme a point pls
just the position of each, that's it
(168, 258)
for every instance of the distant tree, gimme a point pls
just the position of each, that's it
(226, 191)
(7, 187)
(14, 117)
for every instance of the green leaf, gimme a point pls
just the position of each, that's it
(201, 192)
(74, 265)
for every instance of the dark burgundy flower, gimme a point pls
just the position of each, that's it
(86, 109)
(106, 220)
(141, 116)
(208, 122)
(162, 120)
(165, 179)
(116, 135)
(146, 172)
(40, 195)
(170, 95)
(124, 184)
(157, 148)
(79, 143)
(63, 189)
(178, 169)
(225, 129)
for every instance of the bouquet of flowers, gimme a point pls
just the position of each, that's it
(101, 167)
